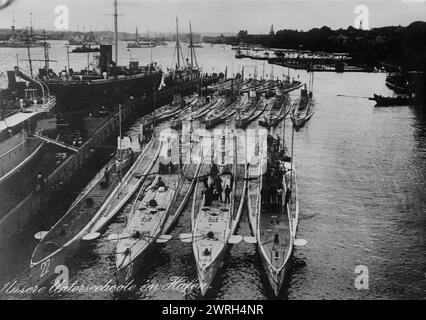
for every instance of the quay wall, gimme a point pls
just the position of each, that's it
(16, 219)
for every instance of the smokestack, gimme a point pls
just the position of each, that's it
(12, 80)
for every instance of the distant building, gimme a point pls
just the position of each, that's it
(272, 32)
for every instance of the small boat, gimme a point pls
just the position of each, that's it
(382, 101)
(399, 82)
(215, 221)
(195, 45)
(86, 49)
(140, 43)
(303, 109)
(64, 238)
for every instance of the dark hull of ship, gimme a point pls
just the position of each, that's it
(392, 101)
(81, 96)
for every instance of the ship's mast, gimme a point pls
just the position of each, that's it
(116, 31)
(31, 24)
(13, 26)
(68, 57)
(177, 43)
(191, 44)
(29, 55)
(46, 52)
(292, 157)
(120, 134)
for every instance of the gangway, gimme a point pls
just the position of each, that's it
(56, 142)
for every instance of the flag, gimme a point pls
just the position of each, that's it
(162, 84)
(124, 144)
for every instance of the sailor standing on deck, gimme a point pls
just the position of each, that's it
(280, 196)
(219, 189)
(106, 176)
(227, 194)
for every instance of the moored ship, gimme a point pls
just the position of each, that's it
(21, 123)
(140, 42)
(107, 84)
(17, 40)
(183, 72)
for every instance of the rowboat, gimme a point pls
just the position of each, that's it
(65, 236)
(303, 109)
(274, 225)
(215, 221)
(382, 101)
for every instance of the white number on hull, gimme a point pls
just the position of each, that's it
(44, 267)
(129, 271)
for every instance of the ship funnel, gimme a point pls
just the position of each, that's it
(106, 58)
(12, 80)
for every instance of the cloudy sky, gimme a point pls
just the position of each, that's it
(213, 15)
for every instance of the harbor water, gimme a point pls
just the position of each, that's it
(361, 181)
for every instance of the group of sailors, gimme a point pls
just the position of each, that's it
(214, 191)
(169, 168)
(272, 195)
(273, 188)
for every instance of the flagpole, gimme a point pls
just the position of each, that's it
(119, 143)
(154, 110)
(292, 157)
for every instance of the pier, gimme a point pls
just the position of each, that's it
(304, 60)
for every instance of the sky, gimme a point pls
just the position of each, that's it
(255, 16)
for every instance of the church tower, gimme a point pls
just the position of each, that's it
(271, 33)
